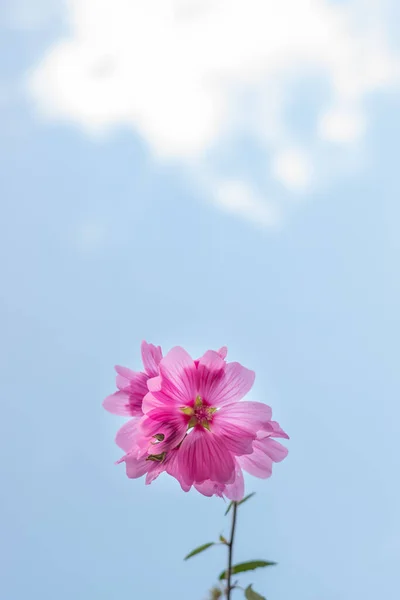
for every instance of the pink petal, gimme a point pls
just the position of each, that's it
(275, 450)
(236, 438)
(178, 373)
(257, 464)
(235, 491)
(170, 423)
(154, 384)
(223, 352)
(127, 436)
(125, 372)
(155, 469)
(250, 415)
(203, 456)
(210, 488)
(118, 404)
(172, 468)
(210, 372)
(233, 386)
(136, 467)
(151, 356)
(275, 430)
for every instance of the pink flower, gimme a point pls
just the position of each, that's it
(191, 422)
(196, 407)
(132, 386)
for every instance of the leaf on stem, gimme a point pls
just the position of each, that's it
(240, 502)
(250, 594)
(199, 549)
(247, 566)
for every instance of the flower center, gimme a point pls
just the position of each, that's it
(200, 413)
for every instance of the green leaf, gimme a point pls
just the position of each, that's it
(229, 508)
(239, 503)
(246, 498)
(199, 549)
(250, 594)
(247, 566)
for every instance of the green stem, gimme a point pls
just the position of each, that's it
(230, 552)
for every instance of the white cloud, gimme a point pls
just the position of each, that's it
(187, 75)
(293, 168)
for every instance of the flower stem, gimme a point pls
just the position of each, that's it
(230, 552)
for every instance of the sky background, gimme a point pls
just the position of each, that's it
(198, 174)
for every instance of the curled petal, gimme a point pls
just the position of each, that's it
(274, 430)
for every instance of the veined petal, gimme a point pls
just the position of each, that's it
(274, 430)
(136, 467)
(155, 469)
(172, 425)
(178, 373)
(235, 491)
(126, 436)
(210, 488)
(257, 464)
(120, 404)
(237, 438)
(203, 456)
(274, 449)
(249, 415)
(210, 371)
(151, 357)
(172, 468)
(233, 386)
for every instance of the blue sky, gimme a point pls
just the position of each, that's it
(108, 240)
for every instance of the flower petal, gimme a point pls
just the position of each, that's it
(210, 488)
(118, 404)
(275, 450)
(155, 469)
(235, 491)
(178, 373)
(172, 468)
(203, 456)
(237, 439)
(250, 415)
(169, 423)
(233, 386)
(223, 352)
(126, 437)
(136, 467)
(257, 464)
(151, 356)
(210, 372)
(275, 430)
